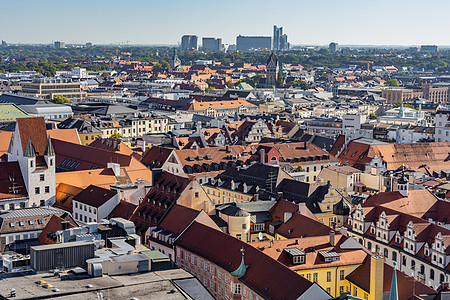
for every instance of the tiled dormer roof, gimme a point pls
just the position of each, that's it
(33, 129)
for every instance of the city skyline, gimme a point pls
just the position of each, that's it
(350, 23)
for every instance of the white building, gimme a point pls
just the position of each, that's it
(31, 148)
(442, 126)
(403, 116)
(49, 111)
(94, 204)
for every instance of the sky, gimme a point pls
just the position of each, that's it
(313, 22)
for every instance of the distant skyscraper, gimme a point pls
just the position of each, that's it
(88, 44)
(189, 42)
(429, 48)
(4, 44)
(333, 47)
(60, 45)
(212, 44)
(279, 39)
(253, 42)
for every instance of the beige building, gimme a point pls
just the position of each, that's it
(436, 94)
(397, 95)
(49, 88)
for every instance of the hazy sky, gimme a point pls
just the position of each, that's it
(382, 22)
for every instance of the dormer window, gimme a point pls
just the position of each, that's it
(296, 255)
(329, 255)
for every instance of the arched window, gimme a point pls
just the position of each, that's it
(369, 246)
(422, 269)
(442, 278)
(413, 264)
(394, 256)
(431, 274)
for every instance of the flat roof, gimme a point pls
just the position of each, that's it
(149, 285)
(155, 255)
(62, 245)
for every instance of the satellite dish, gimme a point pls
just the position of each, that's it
(260, 236)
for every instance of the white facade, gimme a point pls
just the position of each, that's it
(84, 213)
(39, 180)
(431, 274)
(442, 126)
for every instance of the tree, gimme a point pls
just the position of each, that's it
(116, 135)
(60, 100)
(280, 80)
(373, 116)
(405, 105)
(392, 82)
(300, 83)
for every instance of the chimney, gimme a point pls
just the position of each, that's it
(115, 167)
(332, 238)
(287, 216)
(64, 225)
(376, 277)
(262, 156)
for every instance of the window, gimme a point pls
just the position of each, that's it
(328, 276)
(37, 190)
(30, 222)
(47, 189)
(244, 226)
(31, 164)
(386, 252)
(51, 161)
(431, 274)
(41, 177)
(394, 256)
(341, 275)
(259, 227)
(40, 221)
(76, 215)
(355, 291)
(308, 276)
(237, 288)
(21, 223)
(315, 275)
(196, 194)
(328, 290)
(341, 289)
(413, 264)
(11, 224)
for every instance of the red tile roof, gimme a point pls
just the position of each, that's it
(178, 218)
(94, 196)
(123, 210)
(54, 225)
(35, 128)
(64, 195)
(302, 226)
(266, 276)
(9, 188)
(406, 285)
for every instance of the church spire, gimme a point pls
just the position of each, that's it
(393, 294)
(240, 271)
